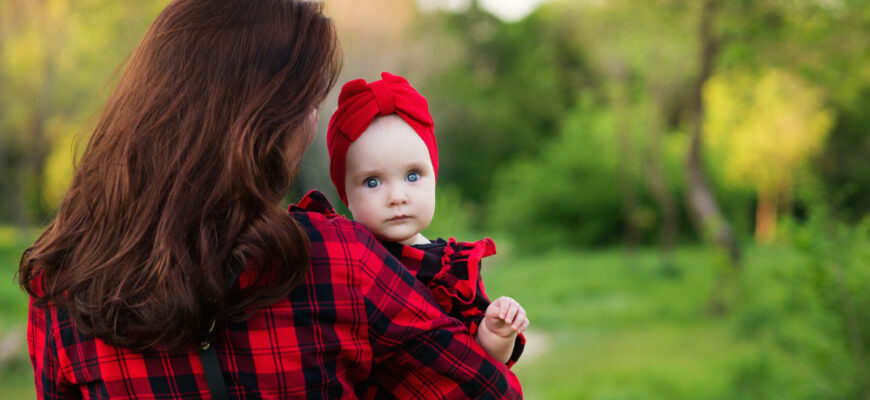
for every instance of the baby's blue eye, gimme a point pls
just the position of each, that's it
(371, 182)
(413, 177)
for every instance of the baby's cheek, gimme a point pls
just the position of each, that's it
(379, 233)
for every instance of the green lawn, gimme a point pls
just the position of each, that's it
(16, 378)
(607, 326)
(622, 327)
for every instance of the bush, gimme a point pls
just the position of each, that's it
(812, 310)
(838, 270)
(454, 217)
(570, 195)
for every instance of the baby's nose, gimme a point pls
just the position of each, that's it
(397, 195)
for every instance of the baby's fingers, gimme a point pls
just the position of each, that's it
(512, 309)
(521, 322)
(494, 310)
(523, 326)
(503, 304)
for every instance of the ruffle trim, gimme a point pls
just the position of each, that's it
(456, 284)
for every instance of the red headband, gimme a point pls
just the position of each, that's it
(359, 103)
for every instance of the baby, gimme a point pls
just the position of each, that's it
(384, 164)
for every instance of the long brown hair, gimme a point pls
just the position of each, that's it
(180, 184)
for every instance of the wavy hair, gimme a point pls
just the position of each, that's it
(180, 184)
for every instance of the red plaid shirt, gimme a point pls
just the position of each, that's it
(359, 319)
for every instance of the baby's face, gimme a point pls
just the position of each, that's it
(389, 181)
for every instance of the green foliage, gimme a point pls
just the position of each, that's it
(570, 195)
(811, 305)
(505, 95)
(453, 216)
(516, 85)
(834, 289)
(57, 59)
(843, 163)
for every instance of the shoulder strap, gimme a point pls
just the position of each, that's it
(208, 356)
(213, 374)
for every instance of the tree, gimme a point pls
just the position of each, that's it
(763, 130)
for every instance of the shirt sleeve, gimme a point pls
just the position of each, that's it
(46, 372)
(419, 351)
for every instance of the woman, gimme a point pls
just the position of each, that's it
(177, 194)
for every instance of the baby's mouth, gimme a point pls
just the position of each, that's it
(398, 218)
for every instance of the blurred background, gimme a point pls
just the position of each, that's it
(678, 190)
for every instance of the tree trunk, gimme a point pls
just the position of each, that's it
(626, 170)
(10, 187)
(657, 183)
(704, 210)
(765, 216)
(658, 186)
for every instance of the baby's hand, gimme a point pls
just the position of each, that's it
(505, 317)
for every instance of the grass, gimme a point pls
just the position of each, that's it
(16, 377)
(619, 326)
(623, 327)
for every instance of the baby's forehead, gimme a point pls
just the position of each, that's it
(388, 131)
(388, 143)
(389, 122)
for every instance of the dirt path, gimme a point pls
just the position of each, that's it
(538, 343)
(11, 343)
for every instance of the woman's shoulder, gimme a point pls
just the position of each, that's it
(340, 247)
(314, 202)
(315, 210)
(325, 226)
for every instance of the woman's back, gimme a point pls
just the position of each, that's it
(359, 319)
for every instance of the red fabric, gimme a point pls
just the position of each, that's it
(359, 320)
(359, 103)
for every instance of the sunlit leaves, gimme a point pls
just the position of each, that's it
(59, 164)
(764, 127)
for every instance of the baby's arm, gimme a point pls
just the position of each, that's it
(504, 319)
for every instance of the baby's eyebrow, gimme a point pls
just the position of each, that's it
(366, 173)
(417, 165)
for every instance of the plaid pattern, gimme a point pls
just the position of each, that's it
(360, 320)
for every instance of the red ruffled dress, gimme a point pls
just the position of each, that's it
(451, 270)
